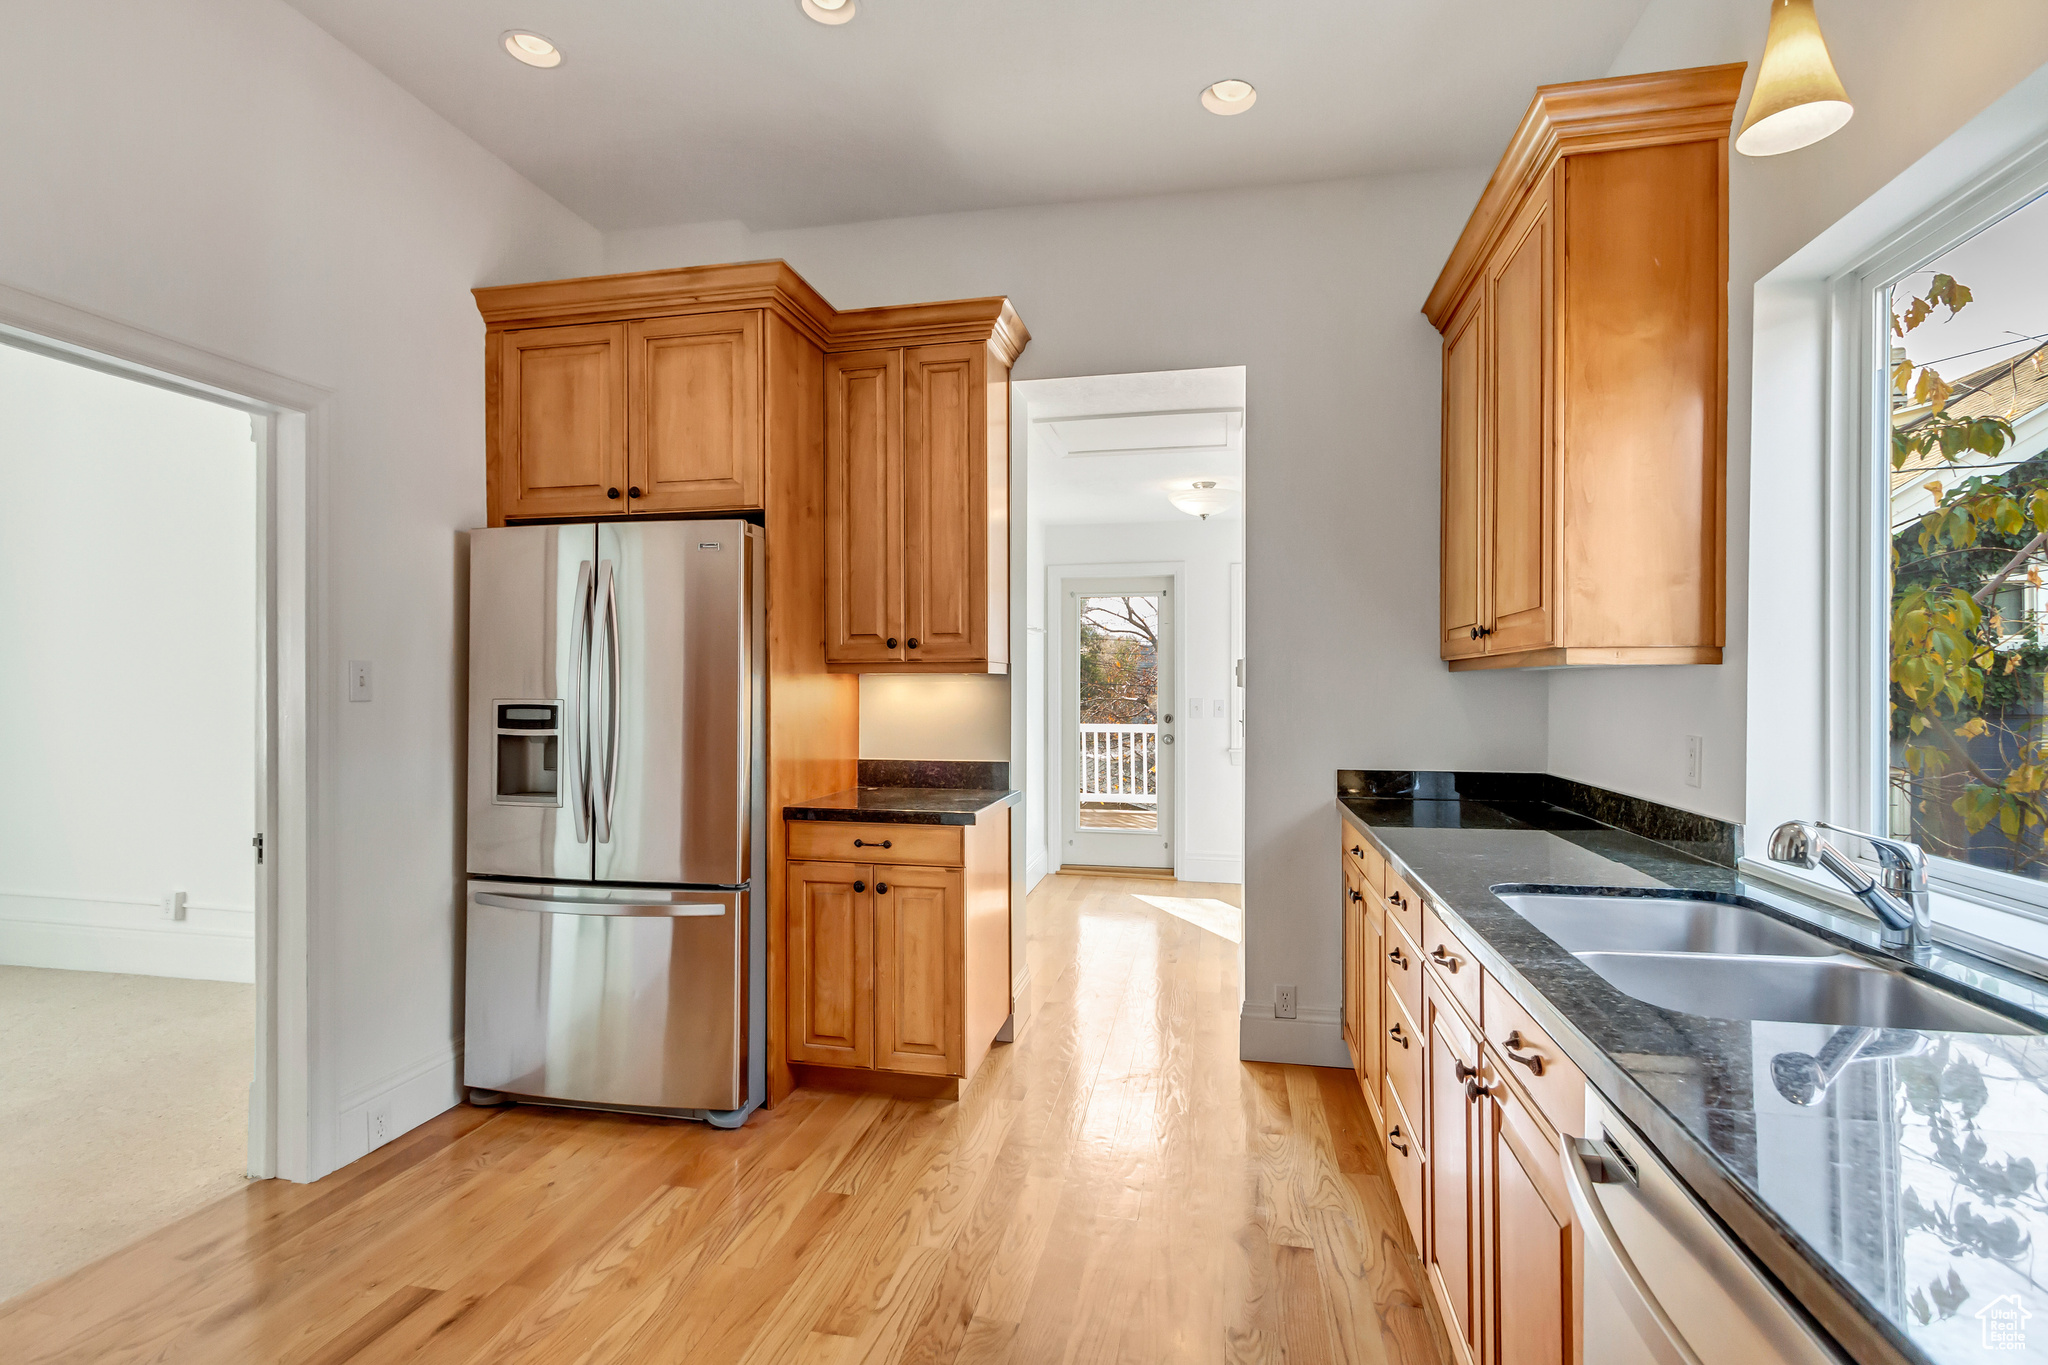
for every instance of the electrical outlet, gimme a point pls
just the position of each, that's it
(358, 680)
(1695, 759)
(380, 1125)
(172, 905)
(1283, 1002)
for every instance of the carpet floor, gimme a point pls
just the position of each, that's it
(123, 1106)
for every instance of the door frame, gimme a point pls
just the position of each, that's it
(290, 425)
(1059, 765)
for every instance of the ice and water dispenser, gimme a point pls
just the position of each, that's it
(529, 753)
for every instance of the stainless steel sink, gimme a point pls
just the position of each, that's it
(1731, 961)
(1661, 924)
(1834, 990)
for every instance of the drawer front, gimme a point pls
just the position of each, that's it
(1405, 1046)
(1364, 856)
(1404, 1164)
(836, 841)
(1533, 1061)
(1403, 967)
(1452, 965)
(1404, 905)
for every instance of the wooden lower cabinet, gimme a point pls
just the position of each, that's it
(898, 967)
(1364, 948)
(1451, 1255)
(1527, 1229)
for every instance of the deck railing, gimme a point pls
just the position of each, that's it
(1120, 764)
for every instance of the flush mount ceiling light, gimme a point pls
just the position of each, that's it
(1798, 98)
(1201, 500)
(532, 49)
(1225, 97)
(828, 11)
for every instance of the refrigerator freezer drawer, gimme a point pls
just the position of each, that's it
(625, 996)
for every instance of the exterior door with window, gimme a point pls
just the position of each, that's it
(1116, 740)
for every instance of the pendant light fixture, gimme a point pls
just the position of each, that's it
(1798, 98)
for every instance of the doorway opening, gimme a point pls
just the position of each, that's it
(1116, 733)
(154, 579)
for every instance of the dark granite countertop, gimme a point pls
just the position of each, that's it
(1894, 1207)
(902, 805)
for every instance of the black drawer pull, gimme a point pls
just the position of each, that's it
(1448, 960)
(884, 844)
(1398, 958)
(1397, 1035)
(1534, 1061)
(1357, 852)
(1394, 1140)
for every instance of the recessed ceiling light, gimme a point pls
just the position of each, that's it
(1201, 500)
(828, 11)
(1224, 97)
(532, 49)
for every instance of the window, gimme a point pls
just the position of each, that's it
(1962, 427)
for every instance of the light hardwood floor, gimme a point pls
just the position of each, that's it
(1115, 1186)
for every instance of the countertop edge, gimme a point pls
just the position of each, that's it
(884, 815)
(1832, 1304)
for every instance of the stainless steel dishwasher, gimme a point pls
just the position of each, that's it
(1663, 1282)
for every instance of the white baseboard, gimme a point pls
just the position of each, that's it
(409, 1096)
(1034, 870)
(1209, 867)
(93, 934)
(1315, 1038)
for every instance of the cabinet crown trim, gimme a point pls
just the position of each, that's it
(1662, 107)
(771, 285)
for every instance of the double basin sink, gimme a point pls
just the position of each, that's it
(1728, 960)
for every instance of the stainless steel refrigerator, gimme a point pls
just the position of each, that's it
(616, 949)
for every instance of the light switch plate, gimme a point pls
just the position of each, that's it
(1695, 759)
(1220, 708)
(358, 680)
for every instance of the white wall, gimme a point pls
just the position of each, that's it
(1316, 290)
(128, 701)
(1625, 729)
(1210, 842)
(224, 173)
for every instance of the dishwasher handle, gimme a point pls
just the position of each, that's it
(1587, 1164)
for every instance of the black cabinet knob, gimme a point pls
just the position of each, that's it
(892, 642)
(611, 492)
(1475, 632)
(913, 642)
(881, 888)
(886, 843)
(860, 886)
(633, 492)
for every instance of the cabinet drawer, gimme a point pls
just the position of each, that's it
(835, 841)
(1405, 904)
(1404, 1054)
(1404, 968)
(1453, 966)
(1366, 858)
(1534, 1061)
(1404, 1164)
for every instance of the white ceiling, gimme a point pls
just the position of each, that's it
(676, 111)
(1109, 449)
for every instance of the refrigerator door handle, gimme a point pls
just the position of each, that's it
(577, 725)
(570, 905)
(608, 775)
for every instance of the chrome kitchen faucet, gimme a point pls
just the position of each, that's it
(1900, 901)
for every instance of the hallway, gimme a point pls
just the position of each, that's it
(1115, 1186)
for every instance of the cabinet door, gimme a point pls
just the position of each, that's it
(1530, 1240)
(1372, 1002)
(1464, 509)
(831, 935)
(1452, 1256)
(920, 1007)
(1520, 488)
(561, 421)
(864, 507)
(1354, 934)
(946, 532)
(694, 393)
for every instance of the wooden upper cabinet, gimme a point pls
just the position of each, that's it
(694, 394)
(560, 437)
(917, 481)
(1584, 315)
(864, 556)
(1464, 520)
(920, 1023)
